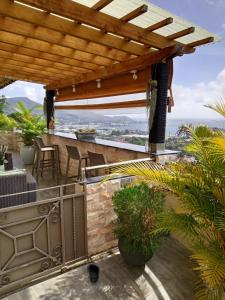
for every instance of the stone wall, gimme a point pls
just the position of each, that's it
(100, 215)
(10, 139)
(112, 154)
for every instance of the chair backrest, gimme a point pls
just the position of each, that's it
(96, 159)
(40, 142)
(73, 152)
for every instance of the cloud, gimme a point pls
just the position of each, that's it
(190, 101)
(218, 3)
(25, 89)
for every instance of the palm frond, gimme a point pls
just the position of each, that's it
(218, 107)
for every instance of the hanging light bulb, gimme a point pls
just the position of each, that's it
(74, 88)
(57, 92)
(134, 73)
(98, 83)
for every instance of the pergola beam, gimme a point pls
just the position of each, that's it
(101, 4)
(181, 33)
(113, 86)
(106, 23)
(160, 24)
(135, 13)
(33, 16)
(201, 42)
(42, 35)
(120, 68)
(125, 104)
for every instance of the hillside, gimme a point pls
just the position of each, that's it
(11, 104)
(75, 117)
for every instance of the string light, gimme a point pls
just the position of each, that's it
(98, 83)
(74, 88)
(57, 92)
(134, 73)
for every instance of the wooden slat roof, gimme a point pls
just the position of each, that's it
(66, 43)
(5, 82)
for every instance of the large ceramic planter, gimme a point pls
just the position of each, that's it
(133, 259)
(27, 154)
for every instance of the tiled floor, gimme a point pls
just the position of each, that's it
(167, 275)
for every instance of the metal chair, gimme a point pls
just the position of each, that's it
(74, 154)
(96, 159)
(41, 161)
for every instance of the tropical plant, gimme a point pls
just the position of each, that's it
(6, 122)
(200, 215)
(31, 125)
(137, 208)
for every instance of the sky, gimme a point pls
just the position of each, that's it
(199, 78)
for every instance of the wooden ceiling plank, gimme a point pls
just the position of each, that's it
(16, 66)
(101, 4)
(60, 62)
(133, 64)
(124, 104)
(201, 42)
(52, 39)
(93, 36)
(25, 14)
(160, 24)
(89, 16)
(46, 70)
(46, 48)
(135, 13)
(181, 33)
(20, 75)
(35, 62)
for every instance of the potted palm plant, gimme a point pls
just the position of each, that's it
(200, 217)
(137, 208)
(31, 127)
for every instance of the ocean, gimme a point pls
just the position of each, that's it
(174, 124)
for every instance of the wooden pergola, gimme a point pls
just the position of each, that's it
(88, 49)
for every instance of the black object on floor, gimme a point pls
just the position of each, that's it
(93, 272)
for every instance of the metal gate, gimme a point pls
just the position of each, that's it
(41, 237)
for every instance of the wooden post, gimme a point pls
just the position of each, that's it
(50, 112)
(158, 131)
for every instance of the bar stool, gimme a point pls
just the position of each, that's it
(74, 154)
(41, 161)
(96, 159)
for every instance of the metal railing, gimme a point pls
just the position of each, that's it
(109, 167)
(41, 237)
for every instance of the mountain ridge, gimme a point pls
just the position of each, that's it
(76, 117)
